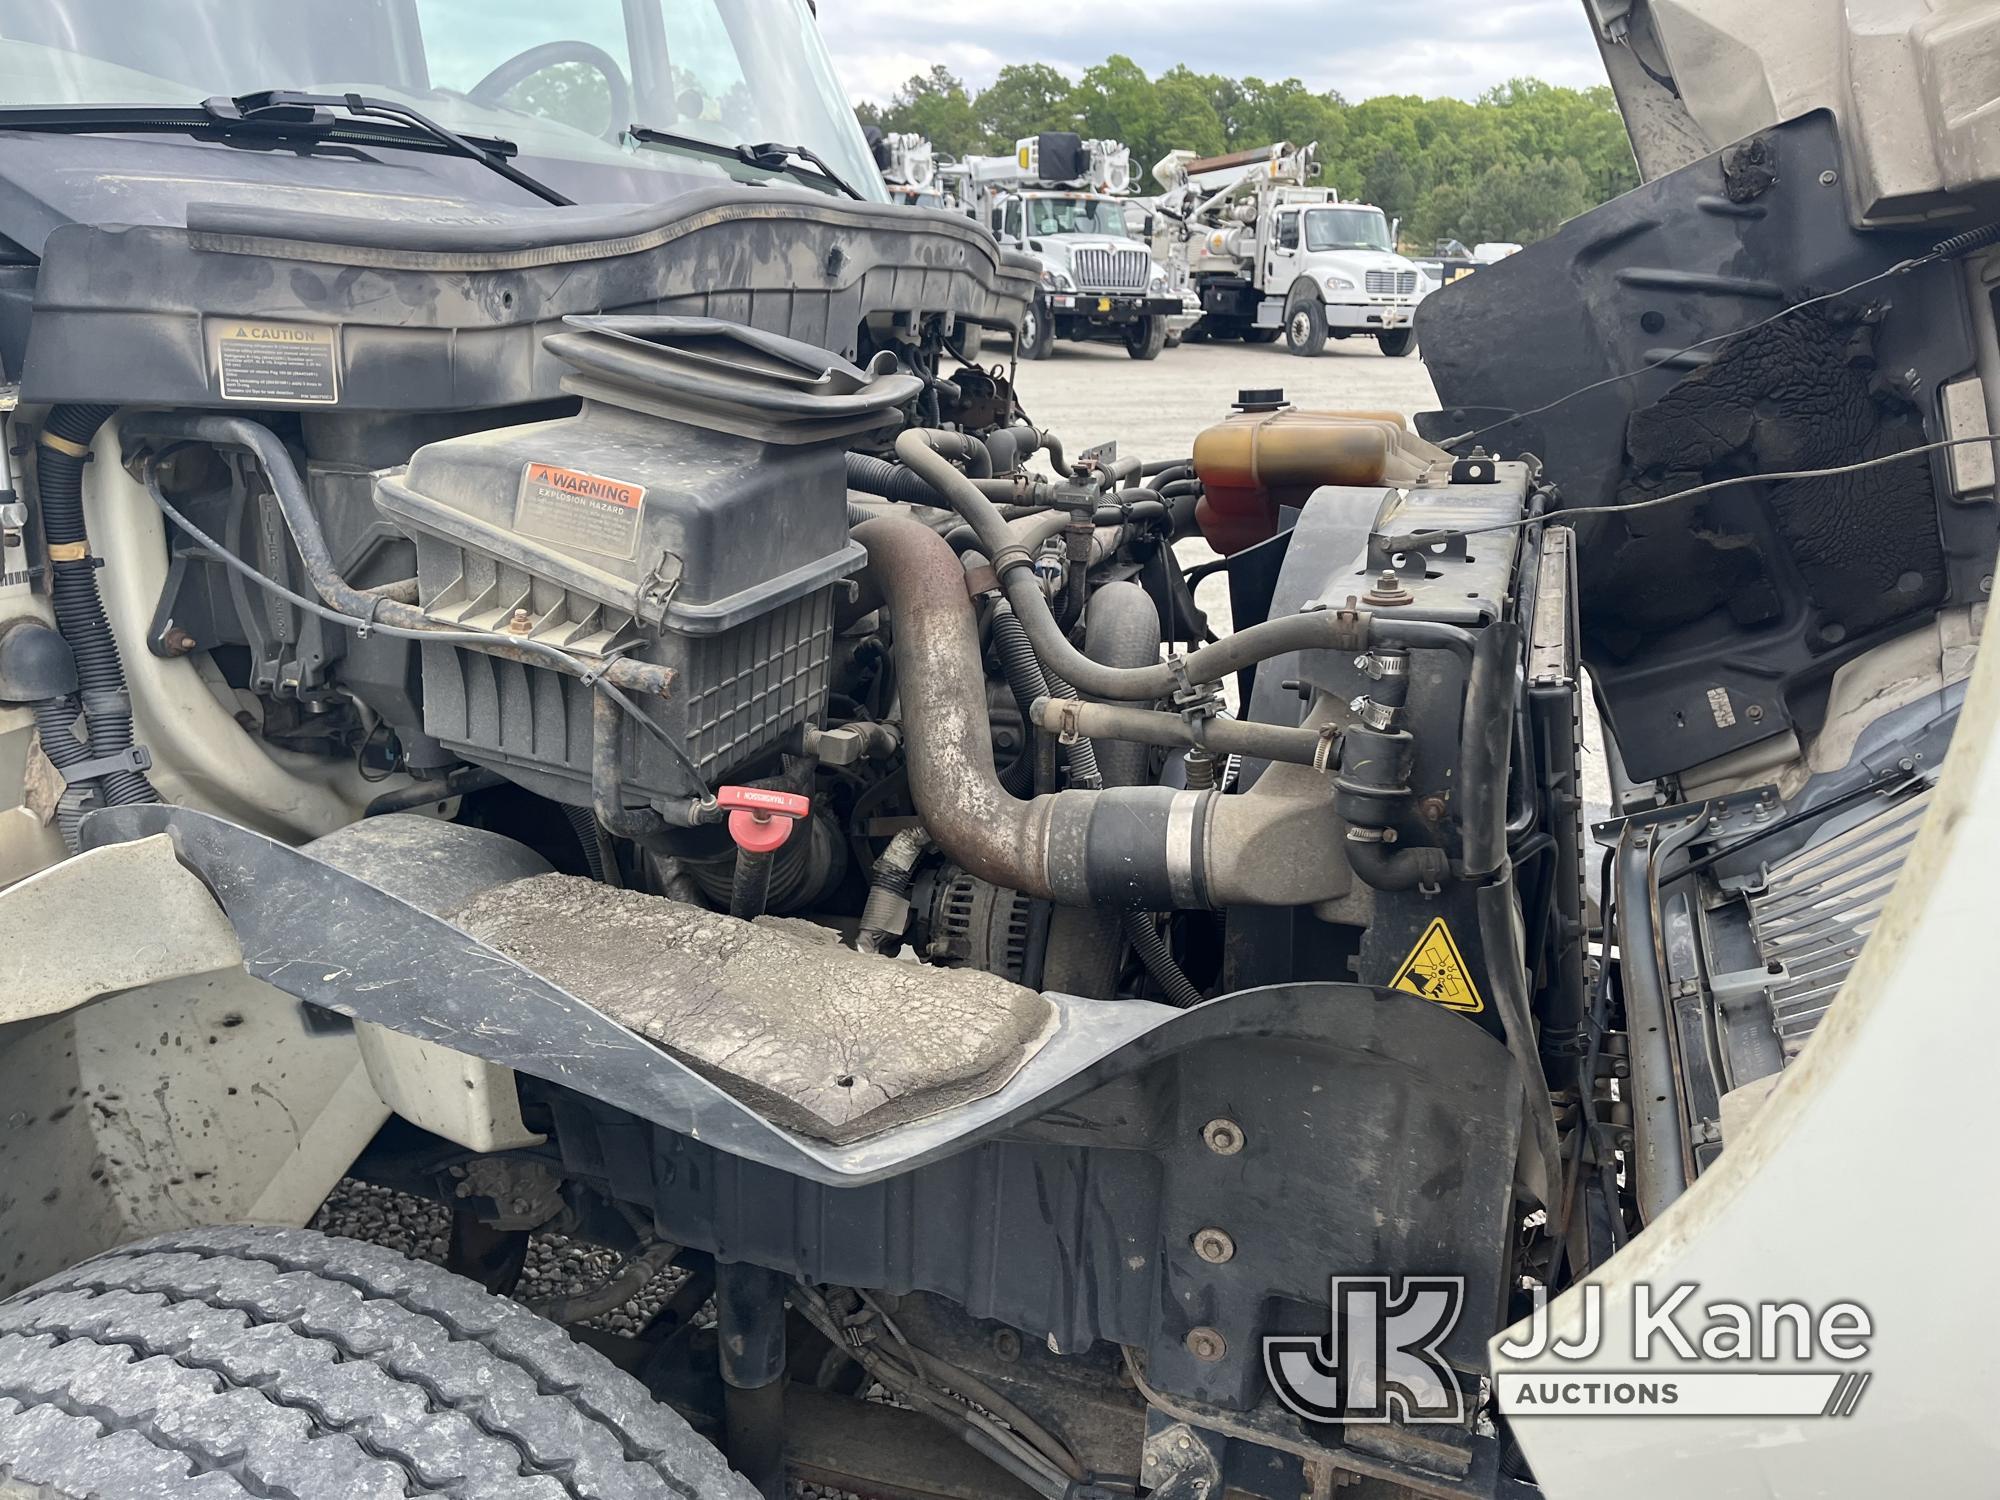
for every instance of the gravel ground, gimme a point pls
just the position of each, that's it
(557, 1266)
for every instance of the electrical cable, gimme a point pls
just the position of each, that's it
(1418, 539)
(1944, 250)
(442, 636)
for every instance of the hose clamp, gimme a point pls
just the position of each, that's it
(1066, 712)
(1010, 557)
(1325, 750)
(56, 443)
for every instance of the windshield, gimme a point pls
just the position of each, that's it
(1079, 215)
(1347, 229)
(563, 82)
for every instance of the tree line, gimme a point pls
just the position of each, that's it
(1510, 165)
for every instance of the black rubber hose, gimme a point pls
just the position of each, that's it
(928, 454)
(1144, 936)
(584, 822)
(79, 609)
(1121, 628)
(1028, 682)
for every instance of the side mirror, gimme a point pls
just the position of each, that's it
(1395, 233)
(1146, 228)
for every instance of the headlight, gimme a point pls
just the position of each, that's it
(1057, 281)
(1339, 284)
(1158, 285)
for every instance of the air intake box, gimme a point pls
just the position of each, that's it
(693, 514)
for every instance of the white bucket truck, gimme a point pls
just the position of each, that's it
(1271, 254)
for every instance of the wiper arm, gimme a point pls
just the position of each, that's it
(770, 156)
(283, 108)
(279, 116)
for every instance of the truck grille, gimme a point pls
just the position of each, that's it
(1392, 283)
(1111, 270)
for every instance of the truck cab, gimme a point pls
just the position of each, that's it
(1336, 268)
(1057, 198)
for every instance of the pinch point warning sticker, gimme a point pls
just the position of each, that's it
(1437, 971)
(590, 511)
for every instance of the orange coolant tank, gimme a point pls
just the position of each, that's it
(1270, 455)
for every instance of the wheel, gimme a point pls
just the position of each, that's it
(1198, 334)
(518, 69)
(1396, 342)
(1262, 335)
(235, 1362)
(1146, 338)
(1038, 335)
(1305, 327)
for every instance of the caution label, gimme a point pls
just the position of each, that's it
(257, 361)
(579, 509)
(1437, 971)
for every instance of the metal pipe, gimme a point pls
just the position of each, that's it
(1145, 846)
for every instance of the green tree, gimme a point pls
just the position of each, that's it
(1510, 165)
(1116, 101)
(1188, 119)
(937, 106)
(1026, 99)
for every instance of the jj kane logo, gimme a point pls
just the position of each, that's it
(1380, 1360)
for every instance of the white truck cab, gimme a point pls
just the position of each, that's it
(1058, 198)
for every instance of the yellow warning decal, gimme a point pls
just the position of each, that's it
(1437, 971)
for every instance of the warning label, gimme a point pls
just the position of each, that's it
(1437, 971)
(579, 509)
(274, 361)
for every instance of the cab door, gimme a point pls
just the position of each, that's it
(1283, 251)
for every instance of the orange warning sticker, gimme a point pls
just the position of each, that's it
(590, 511)
(1437, 971)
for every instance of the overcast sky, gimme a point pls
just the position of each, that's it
(1360, 47)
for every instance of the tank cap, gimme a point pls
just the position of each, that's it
(760, 819)
(1271, 399)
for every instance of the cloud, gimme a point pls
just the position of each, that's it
(1360, 47)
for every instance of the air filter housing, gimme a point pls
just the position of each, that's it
(693, 514)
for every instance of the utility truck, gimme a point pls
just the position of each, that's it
(911, 171)
(1056, 197)
(1271, 253)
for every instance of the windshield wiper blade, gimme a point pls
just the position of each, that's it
(282, 107)
(289, 117)
(769, 156)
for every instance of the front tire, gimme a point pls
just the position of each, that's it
(1305, 328)
(1038, 334)
(1397, 342)
(1146, 338)
(240, 1361)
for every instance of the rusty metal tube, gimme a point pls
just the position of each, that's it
(1150, 847)
(946, 733)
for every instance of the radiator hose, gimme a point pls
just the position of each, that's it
(106, 704)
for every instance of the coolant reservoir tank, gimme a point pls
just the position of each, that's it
(1269, 455)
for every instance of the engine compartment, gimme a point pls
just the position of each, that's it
(921, 899)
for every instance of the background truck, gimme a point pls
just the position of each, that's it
(911, 172)
(1056, 198)
(1269, 253)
